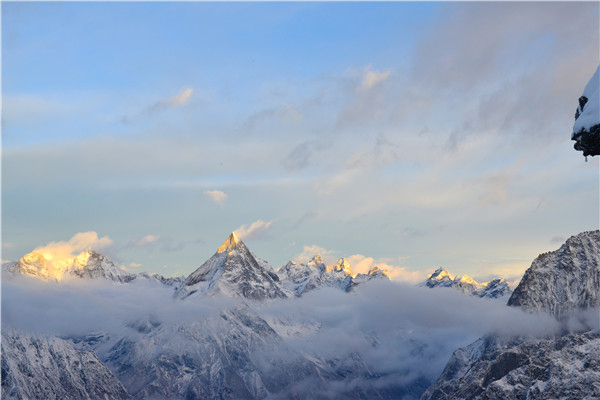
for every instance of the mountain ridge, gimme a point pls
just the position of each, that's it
(496, 288)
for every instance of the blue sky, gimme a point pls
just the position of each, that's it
(409, 135)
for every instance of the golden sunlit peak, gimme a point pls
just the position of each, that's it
(231, 243)
(468, 279)
(343, 265)
(35, 256)
(82, 259)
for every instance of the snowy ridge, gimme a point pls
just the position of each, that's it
(493, 289)
(87, 265)
(92, 265)
(564, 280)
(301, 278)
(50, 368)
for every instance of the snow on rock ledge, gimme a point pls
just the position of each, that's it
(586, 130)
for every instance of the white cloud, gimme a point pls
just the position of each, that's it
(373, 78)
(82, 241)
(308, 252)
(217, 196)
(361, 265)
(135, 265)
(255, 230)
(291, 114)
(143, 241)
(181, 98)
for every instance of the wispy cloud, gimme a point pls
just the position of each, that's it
(308, 252)
(373, 78)
(178, 100)
(217, 196)
(79, 242)
(255, 230)
(362, 264)
(282, 113)
(142, 241)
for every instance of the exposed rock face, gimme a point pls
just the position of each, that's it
(493, 289)
(234, 271)
(51, 368)
(564, 280)
(567, 367)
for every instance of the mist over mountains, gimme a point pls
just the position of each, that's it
(235, 328)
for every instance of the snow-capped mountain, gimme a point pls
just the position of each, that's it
(92, 265)
(234, 271)
(564, 367)
(493, 368)
(493, 289)
(87, 265)
(564, 280)
(301, 278)
(36, 367)
(36, 265)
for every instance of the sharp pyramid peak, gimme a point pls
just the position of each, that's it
(344, 266)
(231, 243)
(440, 273)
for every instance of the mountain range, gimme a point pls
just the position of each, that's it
(493, 289)
(235, 344)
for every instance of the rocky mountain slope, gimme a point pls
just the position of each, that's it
(564, 280)
(493, 289)
(565, 367)
(493, 368)
(50, 368)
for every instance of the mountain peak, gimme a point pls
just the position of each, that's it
(231, 243)
(440, 274)
(564, 280)
(492, 289)
(317, 259)
(235, 271)
(343, 266)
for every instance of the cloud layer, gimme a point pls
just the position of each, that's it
(401, 332)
